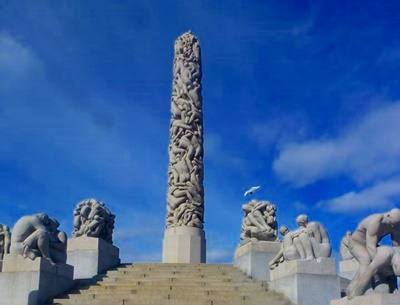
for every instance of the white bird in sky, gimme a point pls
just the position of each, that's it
(251, 190)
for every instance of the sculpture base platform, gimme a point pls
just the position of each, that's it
(91, 256)
(370, 299)
(184, 245)
(253, 257)
(27, 282)
(307, 282)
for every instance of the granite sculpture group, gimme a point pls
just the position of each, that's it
(38, 261)
(93, 219)
(307, 249)
(41, 261)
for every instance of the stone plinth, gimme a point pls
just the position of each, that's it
(253, 257)
(348, 268)
(184, 245)
(91, 256)
(370, 299)
(307, 282)
(27, 282)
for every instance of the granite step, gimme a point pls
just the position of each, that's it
(173, 284)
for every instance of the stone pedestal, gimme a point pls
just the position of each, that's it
(91, 256)
(27, 282)
(370, 299)
(253, 257)
(307, 282)
(184, 245)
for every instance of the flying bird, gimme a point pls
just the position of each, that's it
(251, 190)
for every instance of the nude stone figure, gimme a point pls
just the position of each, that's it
(259, 221)
(38, 236)
(317, 244)
(93, 219)
(364, 240)
(309, 241)
(363, 245)
(386, 263)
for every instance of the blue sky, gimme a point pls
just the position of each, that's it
(301, 97)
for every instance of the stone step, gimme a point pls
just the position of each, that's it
(226, 293)
(181, 284)
(177, 273)
(114, 300)
(174, 284)
(238, 288)
(138, 277)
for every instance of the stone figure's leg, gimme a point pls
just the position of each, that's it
(363, 278)
(299, 247)
(361, 254)
(307, 246)
(39, 240)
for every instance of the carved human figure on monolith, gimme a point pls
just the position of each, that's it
(259, 222)
(93, 219)
(185, 175)
(5, 240)
(377, 264)
(38, 236)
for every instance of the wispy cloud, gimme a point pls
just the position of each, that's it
(365, 151)
(220, 255)
(380, 196)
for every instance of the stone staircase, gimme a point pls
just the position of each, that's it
(174, 284)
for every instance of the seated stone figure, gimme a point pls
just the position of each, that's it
(5, 240)
(259, 222)
(93, 219)
(309, 241)
(292, 246)
(316, 241)
(38, 236)
(385, 264)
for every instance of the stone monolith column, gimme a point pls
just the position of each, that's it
(184, 240)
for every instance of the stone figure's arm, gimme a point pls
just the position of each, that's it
(39, 226)
(276, 260)
(395, 238)
(324, 234)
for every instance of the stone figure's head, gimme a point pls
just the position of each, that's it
(392, 217)
(44, 218)
(284, 230)
(302, 220)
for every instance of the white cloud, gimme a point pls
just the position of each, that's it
(379, 196)
(17, 63)
(219, 255)
(366, 151)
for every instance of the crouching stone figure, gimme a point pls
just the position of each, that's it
(38, 236)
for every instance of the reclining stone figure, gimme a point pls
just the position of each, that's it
(363, 245)
(93, 219)
(38, 236)
(259, 222)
